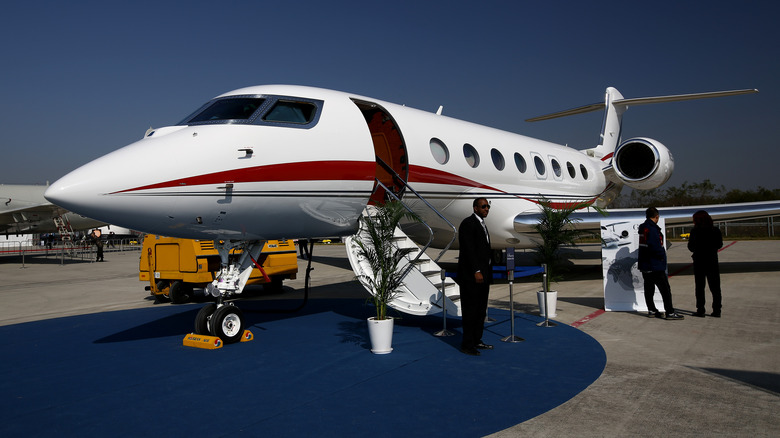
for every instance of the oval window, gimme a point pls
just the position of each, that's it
(471, 155)
(498, 159)
(540, 168)
(584, 171)
(556, 167)
(520, 163)
(570, 167)
(439, 151)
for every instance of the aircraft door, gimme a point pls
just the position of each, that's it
(392, 167)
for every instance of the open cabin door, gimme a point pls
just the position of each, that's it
(392, 163)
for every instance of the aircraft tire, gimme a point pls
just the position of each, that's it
(202, 319)
(227, 323)
(275, 286)
(180, 292)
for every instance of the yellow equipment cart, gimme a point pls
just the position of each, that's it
(173, 266)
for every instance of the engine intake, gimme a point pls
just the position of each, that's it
(643, 163)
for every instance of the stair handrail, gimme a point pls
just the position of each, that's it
(398, 178)
(412, 262)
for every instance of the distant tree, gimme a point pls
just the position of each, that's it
(705, 192)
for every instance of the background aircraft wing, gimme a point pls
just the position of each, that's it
(591, 219)
(28, 219)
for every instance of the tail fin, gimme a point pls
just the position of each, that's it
(615, 105)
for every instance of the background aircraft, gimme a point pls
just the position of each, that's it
(24, 210)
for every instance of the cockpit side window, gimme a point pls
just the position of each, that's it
(229, 109)
(291, 112)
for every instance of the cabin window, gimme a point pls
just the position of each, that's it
(570, 168)
(520, 163)
(556, 167)
(471, 155)
(498, 159)
(584, 171)
(540, 167)
(439, 151)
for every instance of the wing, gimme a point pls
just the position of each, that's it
(29, 219)
(591, 219)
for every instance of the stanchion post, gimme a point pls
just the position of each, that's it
(546, 322)
(510, 275)
(443, 331)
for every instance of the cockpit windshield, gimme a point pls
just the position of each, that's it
(240, 108)
(258, 110)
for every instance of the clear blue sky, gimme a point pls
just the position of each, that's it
(80, 79)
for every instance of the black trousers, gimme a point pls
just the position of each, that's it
(474, 300)
(703, 273)
(661, 280)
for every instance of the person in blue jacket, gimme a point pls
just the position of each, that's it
(652, 264)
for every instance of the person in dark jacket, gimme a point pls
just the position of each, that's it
(94, 237)
(652, 264)
(704, 243)
(474, 275)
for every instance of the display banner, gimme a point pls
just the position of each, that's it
(623, 285)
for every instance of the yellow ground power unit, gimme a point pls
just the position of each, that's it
(173, 266)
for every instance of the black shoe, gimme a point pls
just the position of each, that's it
(715, 314)
(654, 313)
(470, 351)
(674, 316)
(484, 346)
(699, 314)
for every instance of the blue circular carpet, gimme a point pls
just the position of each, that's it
(306, 373)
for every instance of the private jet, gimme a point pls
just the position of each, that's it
(282, 161)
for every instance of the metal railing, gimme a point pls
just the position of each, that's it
(79, 250)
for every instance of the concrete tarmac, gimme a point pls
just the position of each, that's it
(699, 376)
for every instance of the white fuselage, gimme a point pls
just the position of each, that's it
(242, 181)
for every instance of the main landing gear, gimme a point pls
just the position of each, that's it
(223, 319)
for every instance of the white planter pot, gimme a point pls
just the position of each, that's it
(552, 298)
(380, 332)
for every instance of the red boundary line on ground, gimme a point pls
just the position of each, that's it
(602, 311)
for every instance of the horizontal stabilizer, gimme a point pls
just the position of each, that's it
(640, 101)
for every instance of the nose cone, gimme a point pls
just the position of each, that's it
(79, 192)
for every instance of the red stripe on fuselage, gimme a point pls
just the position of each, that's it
(420, 174)
(305, 171)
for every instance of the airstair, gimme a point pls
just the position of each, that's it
(65, 230)
(425, 289)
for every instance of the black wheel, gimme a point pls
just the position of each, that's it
(202, 320)
(180, 292)
(227, 323)
(163, 286)
(275, 286)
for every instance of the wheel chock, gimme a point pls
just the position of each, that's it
(202, 341)
(211, 342)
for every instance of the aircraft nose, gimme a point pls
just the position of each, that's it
(77, 192)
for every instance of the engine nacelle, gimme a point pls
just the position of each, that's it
(643, 163)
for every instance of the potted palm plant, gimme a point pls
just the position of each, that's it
(556, 228)
(387, 264)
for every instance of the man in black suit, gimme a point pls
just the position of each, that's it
(475, 273)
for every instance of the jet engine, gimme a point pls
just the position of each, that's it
(643, 163)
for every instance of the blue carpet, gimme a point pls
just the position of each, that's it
(307, 373)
